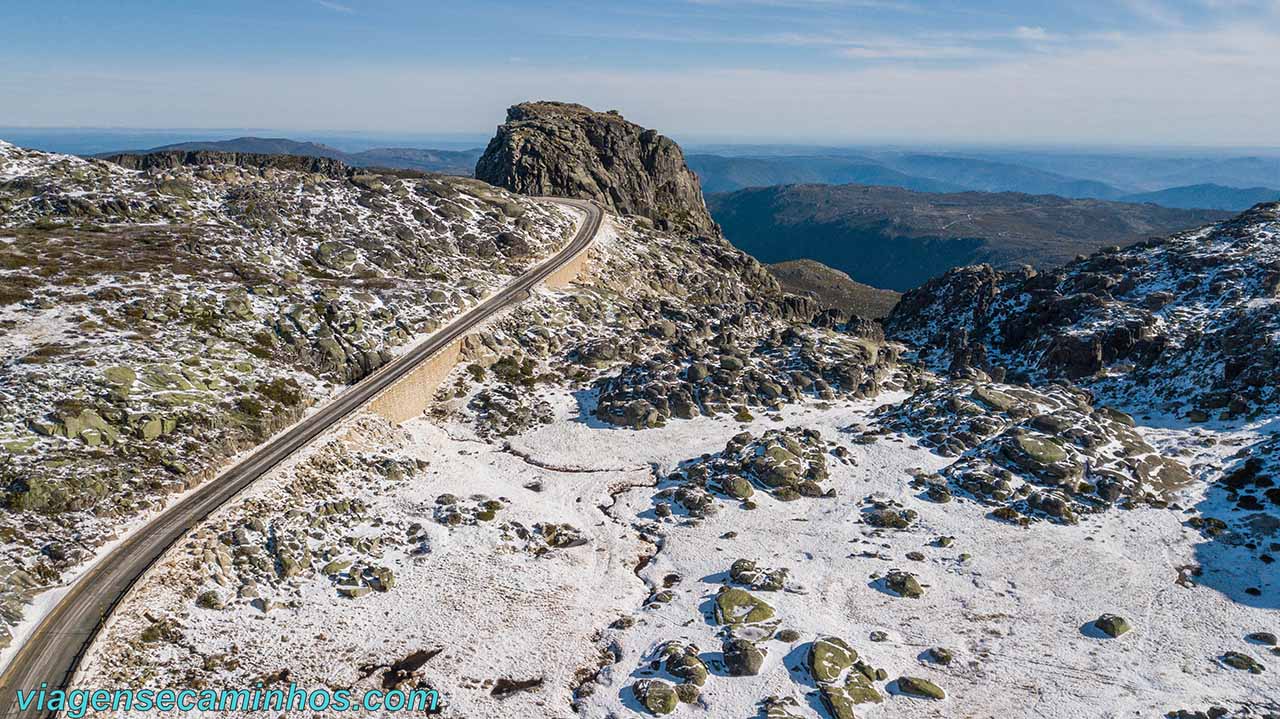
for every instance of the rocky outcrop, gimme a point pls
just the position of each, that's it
(1191, 320)
(172, 159)
(1044, 452)
(833, 289)
(568, 150)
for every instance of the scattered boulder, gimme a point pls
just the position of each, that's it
(210, 599)
(829, 658)
(917, 687)
(904, 584)
(742, 658)
(940, 655)
(735, 606)
(745, 571)
(1112, 625)
(683, 662)
(1266, 638)
(656, 695)
(1243, 662)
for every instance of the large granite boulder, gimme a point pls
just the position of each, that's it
(568, 150)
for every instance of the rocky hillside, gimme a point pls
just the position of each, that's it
(834, 289)
(568, 150)
(897, 239)
(448, 162)
(1189, 324)
(669, 488)
(160, 314)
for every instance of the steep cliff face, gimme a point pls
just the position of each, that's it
(568, 150)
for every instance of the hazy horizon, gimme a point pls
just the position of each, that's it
(92, 140)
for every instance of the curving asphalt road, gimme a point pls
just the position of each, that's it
(52, 652)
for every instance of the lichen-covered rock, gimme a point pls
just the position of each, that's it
(917, 687)
(742, 658)
(688, 693)
(789, 463)
(1267, 638)
(829, 658)
(889, 514)
(735, 606)
(781, 708)
(1243, 662)
(904, 584)
(1051, 454)
(767, 368)
(210, 599)
(683, 662)
(1112, 625)
(840, 699)
(745, 571)
(656, 695)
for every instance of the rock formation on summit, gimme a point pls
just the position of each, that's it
(564, 149)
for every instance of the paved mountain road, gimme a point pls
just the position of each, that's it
(54, 649)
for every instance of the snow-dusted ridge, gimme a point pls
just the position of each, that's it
(157, 322)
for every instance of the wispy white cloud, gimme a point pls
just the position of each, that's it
(889, 50)
(334, 6)
(1031, 33)
(900, 5)
(931, 47)
(1221, 87)
(1155, 12)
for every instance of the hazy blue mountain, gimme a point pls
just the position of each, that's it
(912, 171)
(1149, 170)
(719, 173)
(1232, 171)
(987, 176)
(451, 162)
(896, 239)
(256, 145)
(1209, 196)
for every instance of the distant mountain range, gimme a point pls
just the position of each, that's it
(719, 173)
(448, 162)
(1209, 196)
(1148, 172)
(952, 173)
(894, 238)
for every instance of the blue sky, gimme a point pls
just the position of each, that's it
(1200, 72)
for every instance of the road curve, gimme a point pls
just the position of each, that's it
(53, 650)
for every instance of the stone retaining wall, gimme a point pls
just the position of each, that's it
(410, 395)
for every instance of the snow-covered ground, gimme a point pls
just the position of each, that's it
(1014, 605)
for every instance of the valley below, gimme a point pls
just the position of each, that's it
(897, 239)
